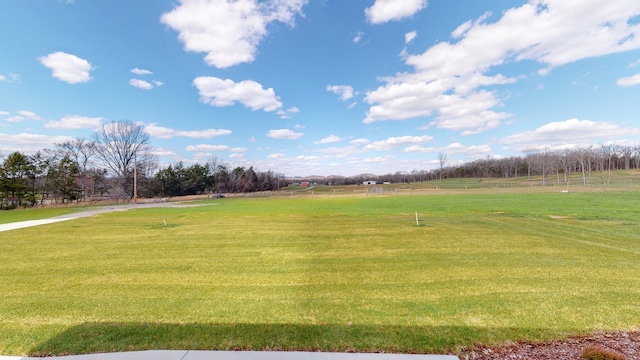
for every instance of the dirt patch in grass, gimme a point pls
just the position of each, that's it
(626, 344)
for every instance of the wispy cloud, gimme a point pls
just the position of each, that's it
(285, 134)
(9, 78)
(168, 133)
(208, 148)
(394, 142)
(328, 140)
(75, 122)
(141, 84)
(287, 114)
(138, 71)
(629, 80)
(408, 37)
(358, 37)
(20, 116)
(345, 91)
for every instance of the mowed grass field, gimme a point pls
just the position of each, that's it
(330, 274)
(9, 216)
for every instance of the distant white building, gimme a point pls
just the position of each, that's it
(369, 182)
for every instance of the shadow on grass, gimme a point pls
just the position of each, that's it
(117, 337)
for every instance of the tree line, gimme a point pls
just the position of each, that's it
(212, 177)
(117, 163)
(557, 164)
(542, 164)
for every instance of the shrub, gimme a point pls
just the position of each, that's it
(593, 352)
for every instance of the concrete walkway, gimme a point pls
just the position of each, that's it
(92, 212)
(29, 223)
(241, 355)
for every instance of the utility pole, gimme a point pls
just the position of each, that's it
(135, 179)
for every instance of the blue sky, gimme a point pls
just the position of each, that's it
(323, 87)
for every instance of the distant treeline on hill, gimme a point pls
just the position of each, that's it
(74, 171)
(534, 163)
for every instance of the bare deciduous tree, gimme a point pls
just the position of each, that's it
(626, 152)
(442, 161)
(583, 156)
(80, 151)
(119, 145)
(564, 159)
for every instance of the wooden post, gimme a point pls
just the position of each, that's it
(135, 179)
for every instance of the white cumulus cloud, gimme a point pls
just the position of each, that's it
(228, 31)
(67, 67)
(218, 92)
(386, 10)
(581, 132)
(448, 79)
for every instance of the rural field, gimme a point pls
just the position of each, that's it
(331, 273)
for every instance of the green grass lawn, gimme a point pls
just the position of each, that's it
(332, 274)
(9, 216)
